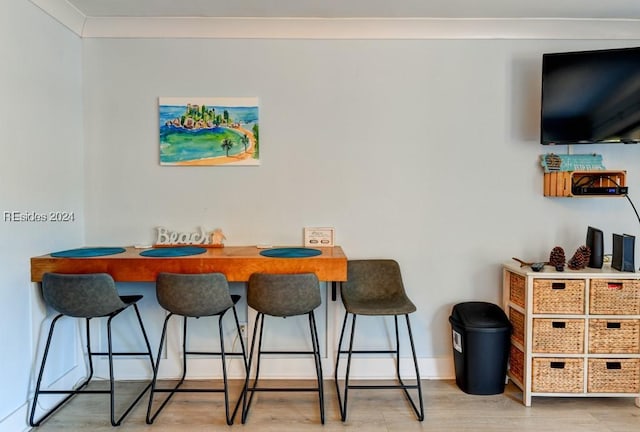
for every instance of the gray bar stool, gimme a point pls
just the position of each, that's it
(196, 296)
(375, 288)
(283, 295)
(87, 296)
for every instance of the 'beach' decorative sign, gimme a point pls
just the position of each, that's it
(209, 131)
(201, 237)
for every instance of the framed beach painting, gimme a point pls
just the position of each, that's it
(209, 131)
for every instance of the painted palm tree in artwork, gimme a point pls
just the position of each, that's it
(245, 141)
(226, 145)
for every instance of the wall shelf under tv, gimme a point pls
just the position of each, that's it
(586, 184)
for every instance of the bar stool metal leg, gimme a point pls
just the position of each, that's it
(80, 388)
(374, 288)
(37, 393)
(117, 422)
(316, 356)
(150, 418)
(419, 411)
(343, 398)
(282, 296)
(250, 389)
(258, 327)
(342, 403)
(185, 351)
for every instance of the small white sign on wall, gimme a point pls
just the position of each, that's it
(323, 237)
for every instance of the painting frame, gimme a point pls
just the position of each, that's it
(209, 131)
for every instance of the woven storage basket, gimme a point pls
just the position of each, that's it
(608, 336)
(558, 296)
(614, 376)
(558, 336)
(516, 364)
(615, 297)
(516, 289)
(517, 322)
(557, 375)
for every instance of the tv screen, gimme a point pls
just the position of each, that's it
(591, 97)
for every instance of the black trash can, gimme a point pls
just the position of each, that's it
(481, 340)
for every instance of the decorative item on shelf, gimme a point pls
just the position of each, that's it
(557, 258)
(585, 183)
(596, 245)
(217, 238)
(580, 175)
(203, 238)
(535, 266)
(580, 258)
(551, 162)
(623, 252)
(580, 162)
(316, 237)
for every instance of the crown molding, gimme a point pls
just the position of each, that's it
(338, 28)
(63, 12)
(360, 28)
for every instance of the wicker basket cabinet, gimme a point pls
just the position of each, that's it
(575, 333)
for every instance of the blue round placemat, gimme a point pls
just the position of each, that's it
(88, 252)
(290, 252)
(173, 251)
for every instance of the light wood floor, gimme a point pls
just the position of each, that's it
(447, 409)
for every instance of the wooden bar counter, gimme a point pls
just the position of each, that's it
(236, 262)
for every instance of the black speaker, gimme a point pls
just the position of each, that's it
(595, 244)
(623, 252)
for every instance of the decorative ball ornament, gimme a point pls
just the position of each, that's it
(557, 258)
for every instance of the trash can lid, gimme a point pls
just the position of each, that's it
(479, 315)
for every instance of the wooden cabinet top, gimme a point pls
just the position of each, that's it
(606, 272)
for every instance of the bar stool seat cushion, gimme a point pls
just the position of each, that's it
(378, 306)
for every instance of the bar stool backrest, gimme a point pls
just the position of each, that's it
(81, 295)
(283, 295)
(193, 295)
(373, 280)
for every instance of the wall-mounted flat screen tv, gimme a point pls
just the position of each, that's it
(591, 97)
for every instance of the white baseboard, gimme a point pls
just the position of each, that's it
(16, 421)
(286, 368)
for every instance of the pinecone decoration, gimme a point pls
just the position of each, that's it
(580, 259)
(557, 258)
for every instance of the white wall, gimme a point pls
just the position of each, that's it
(425, 151)
(41, 170)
